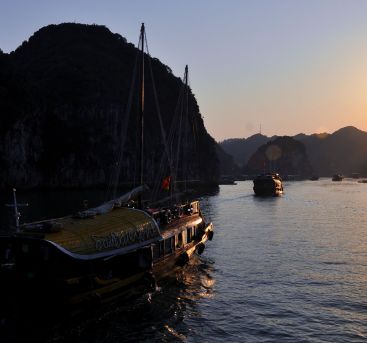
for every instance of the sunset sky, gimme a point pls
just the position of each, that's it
(291, 66)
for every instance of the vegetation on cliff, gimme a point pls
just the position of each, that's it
(344, 151)
(242, 148)
(63, 95)
(283, 155)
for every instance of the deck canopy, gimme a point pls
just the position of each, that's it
(119, 231)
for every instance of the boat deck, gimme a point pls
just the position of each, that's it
(115, 229)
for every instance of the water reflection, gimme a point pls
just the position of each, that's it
(152, 317)
(287, 269)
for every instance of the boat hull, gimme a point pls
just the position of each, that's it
(267, 188)
(270, 192)
(31, 265)
(166, 264)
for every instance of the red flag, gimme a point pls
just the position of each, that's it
(165, 183)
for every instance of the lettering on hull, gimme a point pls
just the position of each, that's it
(115, 240)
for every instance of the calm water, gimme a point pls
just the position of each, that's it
(286, 269)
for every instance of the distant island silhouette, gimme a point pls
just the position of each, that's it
(344, 151)
(284, 155)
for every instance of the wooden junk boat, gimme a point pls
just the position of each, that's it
(268, 184)
(101, 253)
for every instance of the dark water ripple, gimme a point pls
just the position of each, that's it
(294, 268)
(287, 269)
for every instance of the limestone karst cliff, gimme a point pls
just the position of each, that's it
(63, 95)
(283, 155)
(343, 151)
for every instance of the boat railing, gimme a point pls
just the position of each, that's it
(166, 215)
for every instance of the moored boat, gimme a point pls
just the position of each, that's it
(102, 253)
(268, 184)
(96, 255)
(355, 175)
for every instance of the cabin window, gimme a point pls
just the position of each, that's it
(184, 237)
(189, 234)
(179, 240)
(144, 259)
(168, 245)
(156, 251)
(194, 231)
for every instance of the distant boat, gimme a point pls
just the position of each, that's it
(362, 181)
(314, 178)
(268, 184)
(337, 177)
(227, 180)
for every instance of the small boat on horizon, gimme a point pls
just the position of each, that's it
(268, 184)
(227, 180)
(337, 177)
(314, 178)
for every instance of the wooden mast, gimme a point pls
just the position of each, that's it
(186, 123)
(141, 164)
(183, 104)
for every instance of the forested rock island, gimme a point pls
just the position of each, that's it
(324, 154)
(63, 95)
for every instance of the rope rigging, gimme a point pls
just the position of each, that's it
(115, 176)
(174, 161)
(178, 141)
(137, 74)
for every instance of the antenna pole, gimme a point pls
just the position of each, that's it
(16, 212)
